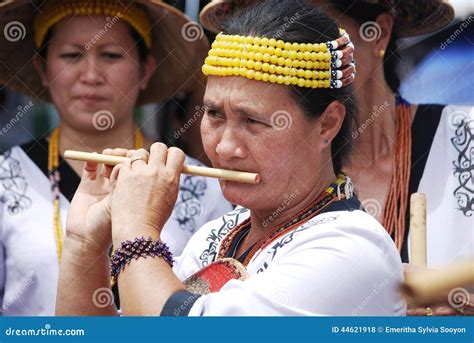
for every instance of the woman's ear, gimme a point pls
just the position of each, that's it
(149, 68)
(40, 67)
(331, 121)
(385, 22)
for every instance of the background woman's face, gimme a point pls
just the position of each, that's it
(92, 65)
(257, 127)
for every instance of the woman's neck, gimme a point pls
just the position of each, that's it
(265, 220)
(376, 123)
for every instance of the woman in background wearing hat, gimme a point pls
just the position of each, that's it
(95, 61)
(401, 148)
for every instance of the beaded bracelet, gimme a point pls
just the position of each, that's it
(139, 247)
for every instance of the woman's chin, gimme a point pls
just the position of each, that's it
(239, 193)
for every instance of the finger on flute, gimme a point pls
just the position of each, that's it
(222, 174)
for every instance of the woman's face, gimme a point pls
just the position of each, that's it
(93, 65)
(257, 127)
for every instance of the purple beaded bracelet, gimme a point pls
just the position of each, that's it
(139, 247)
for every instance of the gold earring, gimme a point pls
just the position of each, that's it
(382, 53)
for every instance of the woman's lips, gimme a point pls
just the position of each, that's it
(91, 99)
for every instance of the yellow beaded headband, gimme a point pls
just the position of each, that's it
(311, 65)
(54, 11)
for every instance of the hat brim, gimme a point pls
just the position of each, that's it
(434, 15)
(214, 14)
(179, 46)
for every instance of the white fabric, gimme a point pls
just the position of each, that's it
(448, 183)
(338, 263)
(28, 258)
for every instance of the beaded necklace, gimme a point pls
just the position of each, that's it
(55, 177)
(393, 217)
(330, 195)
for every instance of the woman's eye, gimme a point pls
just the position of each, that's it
(212, 113)
(112, 55)
(71, 55)
(252, 121)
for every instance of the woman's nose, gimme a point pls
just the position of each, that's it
(91, 73)
(231, 145)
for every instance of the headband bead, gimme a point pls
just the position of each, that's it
(310, 65)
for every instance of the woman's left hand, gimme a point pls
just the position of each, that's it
(145, 192)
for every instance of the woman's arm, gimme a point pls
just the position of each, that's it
(84, 282)
(145, 285)
(142, 202)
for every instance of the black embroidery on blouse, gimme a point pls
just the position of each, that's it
(229, 221)
(463, 142)
(288, 238)
(14, 185)
(189, 206)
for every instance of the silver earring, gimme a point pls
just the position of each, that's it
(326, 141)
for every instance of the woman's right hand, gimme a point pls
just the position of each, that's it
(88, 219)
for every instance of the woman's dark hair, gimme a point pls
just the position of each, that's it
(363, 12)
(143, 50)
(300, 22)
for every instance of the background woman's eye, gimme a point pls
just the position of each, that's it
(112, 55)
(71, 55)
